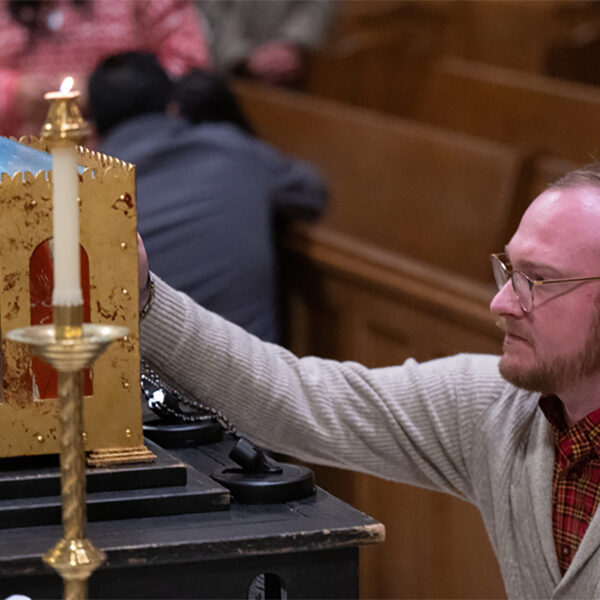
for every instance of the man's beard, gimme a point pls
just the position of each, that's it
(552, 376)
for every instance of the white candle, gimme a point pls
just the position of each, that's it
(65, 223)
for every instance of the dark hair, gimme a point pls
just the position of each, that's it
(204, 97)
(127, 85)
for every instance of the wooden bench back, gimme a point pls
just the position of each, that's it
(534, 112)
(439, 196)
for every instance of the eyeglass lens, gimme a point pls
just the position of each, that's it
(520, 284)
(523, 290)
(500, 271)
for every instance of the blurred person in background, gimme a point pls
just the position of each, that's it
(42, 42)
(204, 97)
(265, 40)
(208, 193)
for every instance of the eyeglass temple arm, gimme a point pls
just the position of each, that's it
(566, 280)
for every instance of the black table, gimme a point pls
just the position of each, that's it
(302, 549)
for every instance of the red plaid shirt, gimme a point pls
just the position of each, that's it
(576, 479)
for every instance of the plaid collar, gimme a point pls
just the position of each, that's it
(580, 442)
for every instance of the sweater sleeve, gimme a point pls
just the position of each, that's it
(413, 423)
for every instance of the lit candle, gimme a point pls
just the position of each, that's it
(67, 284)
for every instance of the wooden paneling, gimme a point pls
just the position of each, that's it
(335, 284)
(537, 113)
(351, 301)
(379, 49)
(528, 36)
(377, 52)
(397, 268)
(402, 186)
(511, 33)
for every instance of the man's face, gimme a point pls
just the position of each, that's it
(556, 344)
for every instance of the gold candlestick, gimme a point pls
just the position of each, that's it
(74, 557)
(69, 346)
(64, 123)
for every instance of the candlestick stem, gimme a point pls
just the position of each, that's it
(68, 321)
(72, 469)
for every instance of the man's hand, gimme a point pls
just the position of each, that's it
(143, 283)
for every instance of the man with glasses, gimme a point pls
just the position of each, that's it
(517, 435)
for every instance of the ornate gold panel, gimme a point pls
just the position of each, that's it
(112, 413)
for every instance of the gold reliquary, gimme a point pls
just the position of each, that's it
(29, 411)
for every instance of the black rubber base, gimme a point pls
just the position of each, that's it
(174, 435)
(293, 483)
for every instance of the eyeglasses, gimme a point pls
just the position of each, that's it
(521, 284)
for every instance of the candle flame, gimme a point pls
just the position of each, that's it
(66, 85)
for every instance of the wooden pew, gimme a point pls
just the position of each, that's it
(439, 196)
(516, 34)
(379, 50)
(350, 300)
(534, 112)
(398, 269)
(355, 289)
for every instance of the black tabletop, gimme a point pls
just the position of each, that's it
(320, 521)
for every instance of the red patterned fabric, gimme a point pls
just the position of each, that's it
(79, 36)
(576, 479)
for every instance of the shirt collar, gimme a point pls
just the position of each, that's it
(580, 441)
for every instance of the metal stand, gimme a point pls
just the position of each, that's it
(73, 557)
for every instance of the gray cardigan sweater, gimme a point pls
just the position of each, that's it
(452, 425)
